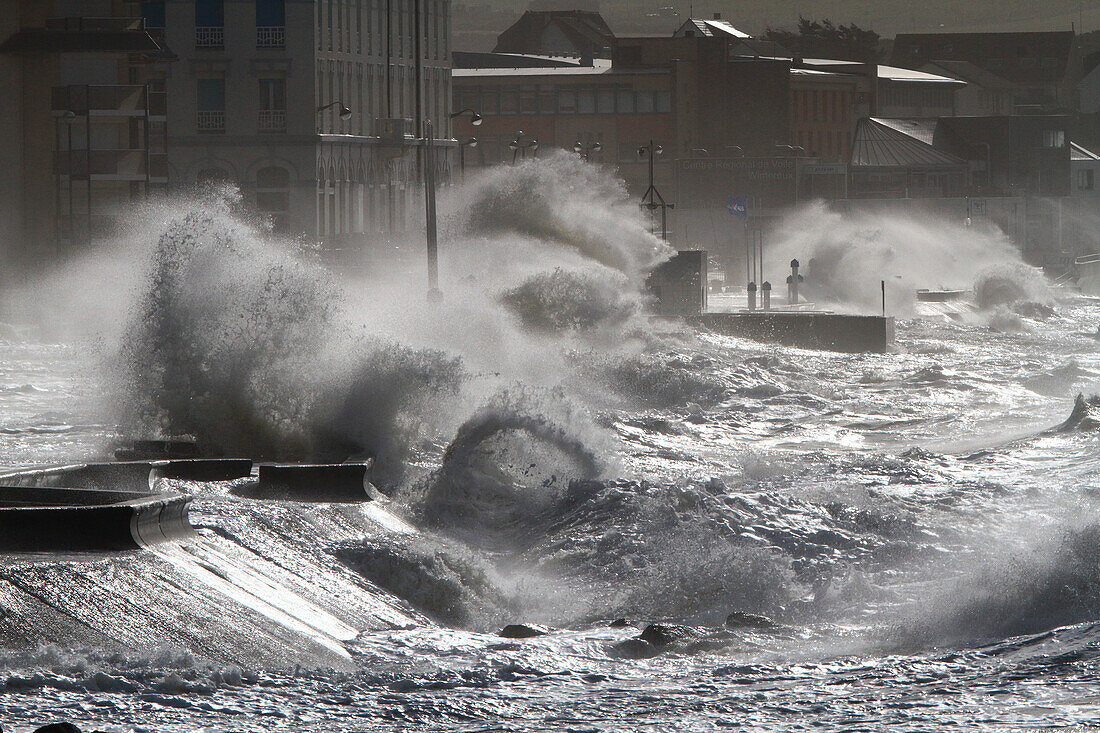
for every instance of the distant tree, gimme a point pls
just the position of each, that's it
(824, 39)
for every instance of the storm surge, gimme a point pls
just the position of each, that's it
(845, 257)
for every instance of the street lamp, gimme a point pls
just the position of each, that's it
(471, 143)
(519, 143)
(341, 110)
(475, 118)
(585, 151)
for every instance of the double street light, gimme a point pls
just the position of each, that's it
(523, 142)
(585, 151)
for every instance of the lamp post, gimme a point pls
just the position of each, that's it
(652, 198)
(522, 142)
(434, 294)
(585, 151)
(471, 143)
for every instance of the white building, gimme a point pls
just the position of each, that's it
(261, 94)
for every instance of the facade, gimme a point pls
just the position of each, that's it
(82, 134)
(316, 109)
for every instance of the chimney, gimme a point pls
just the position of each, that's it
(718, 16)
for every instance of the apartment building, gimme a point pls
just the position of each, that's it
(316, 109)
(81, 134)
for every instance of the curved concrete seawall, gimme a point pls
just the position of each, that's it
(102, 507)
(88, 520)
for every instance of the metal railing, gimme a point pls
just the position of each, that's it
(211, 36)
(271, 36)
(272, 120)
(211, 121)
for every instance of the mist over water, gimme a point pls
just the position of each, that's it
(835, 535)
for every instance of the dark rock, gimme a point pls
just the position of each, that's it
(523, 631)
(665, 634)
(619, 623)
(740, 620)
(58, 728)
(634, 649)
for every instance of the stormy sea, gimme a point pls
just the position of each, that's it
(685, 531)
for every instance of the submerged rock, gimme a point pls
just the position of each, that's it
(523, 631)
(665, 634)
(619, 623)
(741, 620)
(58, 728)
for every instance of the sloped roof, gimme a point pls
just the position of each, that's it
(710, 28)
(1077, 152)
(970, 73)
(882, 143)
(1009, 50)
(585, 29)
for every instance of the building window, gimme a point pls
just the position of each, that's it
(625, 101)
(209, 23)
(605, 101)
(586, 101)
(272, 105)
(548, 101)
(153, 13)
(509, 102)
(1085, 179)
(211, 105)
(270, 23)
(528, 101)
(567, 102)
(645, 102)
(662, 102)
(1054, 138)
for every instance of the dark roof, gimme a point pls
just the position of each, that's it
(710, 28)
(586, 30)
(883, 143)
(970, 73)
(46, 40)
(1022, 58)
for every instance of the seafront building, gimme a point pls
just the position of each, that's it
(316, 109)
(81, 133)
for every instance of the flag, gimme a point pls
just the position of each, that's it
(739, 206)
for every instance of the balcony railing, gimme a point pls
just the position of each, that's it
(271, 36)
(273, 120)
(127, 100)
(211, 36)
(211, 121)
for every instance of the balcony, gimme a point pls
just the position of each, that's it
(211, 36)
(211, 121)
(271, 36)
(272, 120)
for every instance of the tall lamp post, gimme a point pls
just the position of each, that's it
(471, 143)
(522, 142)
(652, 198)
(585, 151)
(434, 293)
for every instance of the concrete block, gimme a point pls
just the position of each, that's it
(805, 329)
(330, 482)
(202, 469)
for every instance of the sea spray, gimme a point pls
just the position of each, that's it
(245, 347)
(846, 256)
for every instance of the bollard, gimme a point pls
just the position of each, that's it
(792, 283)
(766, 295)
(752, 296)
